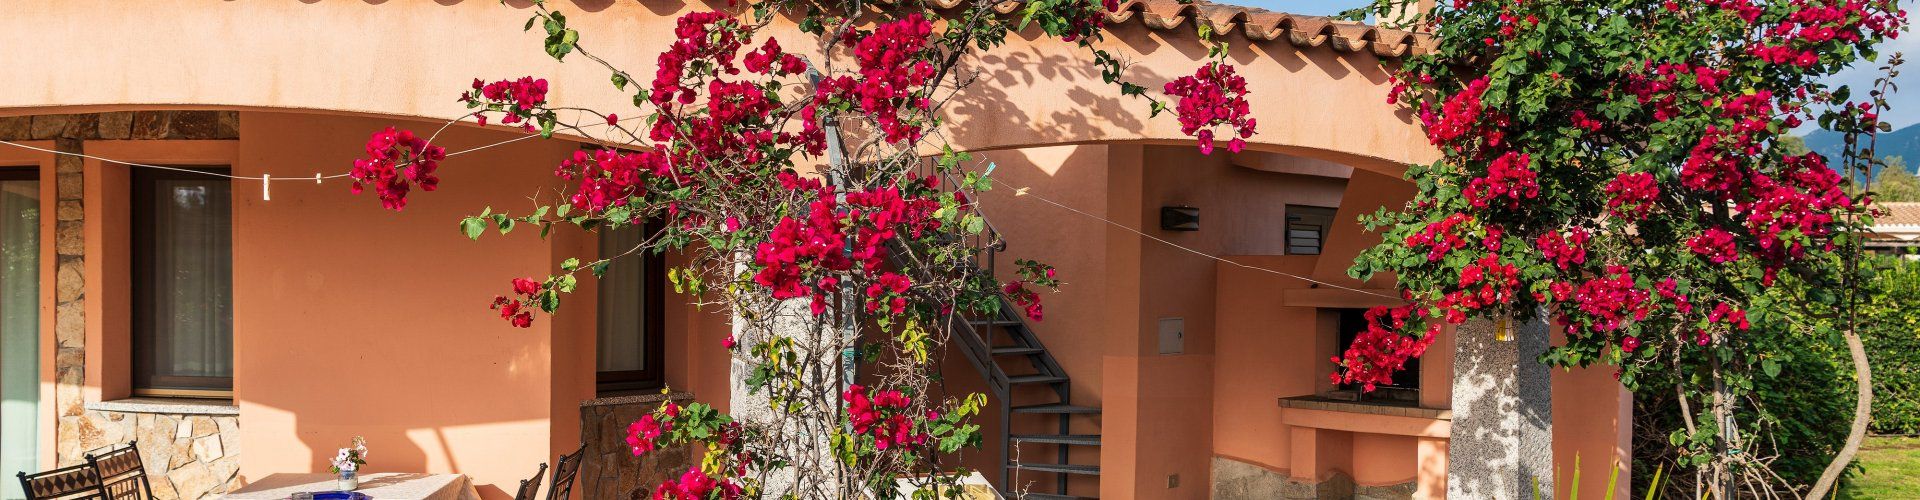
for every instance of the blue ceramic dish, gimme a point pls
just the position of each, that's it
(340, 495)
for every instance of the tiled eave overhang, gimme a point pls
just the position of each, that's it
(1259, 25)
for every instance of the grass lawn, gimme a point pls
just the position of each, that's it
(1891, 470)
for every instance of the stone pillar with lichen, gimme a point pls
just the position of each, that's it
(1502, 437)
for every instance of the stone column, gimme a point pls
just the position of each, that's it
(806, 440)
(70, 318)
(1502, 440)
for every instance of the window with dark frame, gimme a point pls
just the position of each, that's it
(1307, 228)
(182, 277)
(1406, 383)
(631, 301)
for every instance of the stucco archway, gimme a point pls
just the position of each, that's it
(1318, 89)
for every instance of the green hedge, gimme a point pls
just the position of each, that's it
(1891, 321)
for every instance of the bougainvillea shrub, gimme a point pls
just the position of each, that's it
(798, 191)
(1616, 168)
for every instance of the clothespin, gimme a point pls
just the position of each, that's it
(316, 177)
(266, 187)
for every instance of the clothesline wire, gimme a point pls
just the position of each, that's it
(1018, 192)
(266, 177)
(157, 167)
(1027, 192)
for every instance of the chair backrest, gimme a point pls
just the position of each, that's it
(530, 486)
(122, 475)
(563, 472)
(78, 482)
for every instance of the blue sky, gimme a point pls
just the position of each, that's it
(1905, 104)
(1309, 7)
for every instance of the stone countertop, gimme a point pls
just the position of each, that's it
(627, 399)
(1390, 408)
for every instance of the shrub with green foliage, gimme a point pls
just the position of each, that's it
(1892, 335)
(1796, 412)
(1797, 406)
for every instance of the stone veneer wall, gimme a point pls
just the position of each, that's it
(611, 472)
(187, 455)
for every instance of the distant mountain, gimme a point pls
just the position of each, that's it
(1904, 142)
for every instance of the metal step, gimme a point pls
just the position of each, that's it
(1055, 408)
(1041, 496)
(1016, 350)
(1073, 439)
(1035, 379)
(1090, 470)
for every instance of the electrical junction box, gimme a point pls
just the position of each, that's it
(1173, 335)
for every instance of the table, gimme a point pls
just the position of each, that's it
(380, 486)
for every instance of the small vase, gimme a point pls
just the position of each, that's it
(349, 481)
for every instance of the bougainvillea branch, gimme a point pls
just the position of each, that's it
(797, 192)
(1619, 166)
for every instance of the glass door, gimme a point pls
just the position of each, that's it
(19, 327)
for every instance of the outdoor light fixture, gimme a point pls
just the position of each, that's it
(1180, 218)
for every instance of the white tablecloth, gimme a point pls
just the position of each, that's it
(380, 486)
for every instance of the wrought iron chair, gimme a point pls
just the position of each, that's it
(563, 472)
(78, 482)
(122, 474)
(530, 486)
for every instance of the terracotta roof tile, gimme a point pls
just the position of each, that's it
(1899, 214)
(1258, 25)
(1261, 25)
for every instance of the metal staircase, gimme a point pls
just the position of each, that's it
(1011, 357)
(1009, 354)
(1028, 383)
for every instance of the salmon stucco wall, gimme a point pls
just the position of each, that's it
(295, 55)
(350, 319)
(1271, 344)
(697, 361)
(355, 320)
(1074, 175)
(1592, 427)
(1265, 351)
(1167, 399)
(1102, 326)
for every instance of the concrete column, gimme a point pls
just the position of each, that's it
(1430, 478)
(1502, 437)
(1318, 457)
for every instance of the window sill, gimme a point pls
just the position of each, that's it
(636, 398)
(169, 406)
(1385, 408)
